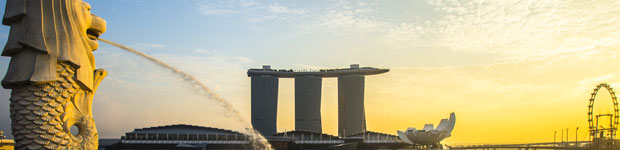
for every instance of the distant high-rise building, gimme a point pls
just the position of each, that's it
(351, 113)
(264, 103)
(308, 103)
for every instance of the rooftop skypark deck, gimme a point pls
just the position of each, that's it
(289, 73)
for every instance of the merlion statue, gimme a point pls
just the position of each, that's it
(51, 73)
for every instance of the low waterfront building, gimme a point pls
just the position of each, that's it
(189, 137)
(181, 137)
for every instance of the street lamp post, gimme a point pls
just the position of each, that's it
(562, 137)
(576, 136)
(555, 133)
(567, 143)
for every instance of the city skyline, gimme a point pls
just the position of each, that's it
(517, 71)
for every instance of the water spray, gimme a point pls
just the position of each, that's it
(257, 138)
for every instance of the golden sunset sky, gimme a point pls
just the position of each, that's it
(512, 71)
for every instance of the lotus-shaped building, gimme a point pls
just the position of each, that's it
(429, 135)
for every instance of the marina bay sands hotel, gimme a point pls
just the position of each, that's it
(351, 113)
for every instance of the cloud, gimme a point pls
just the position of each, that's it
(205, 51)
(347, 16)
(250, 10)
(210, 10)
(518, 30)
(405, 35)
(512, 30)
(225, 7)
(279, 8)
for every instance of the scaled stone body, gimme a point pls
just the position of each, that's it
(51, 72)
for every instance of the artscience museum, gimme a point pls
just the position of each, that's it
(429, 135)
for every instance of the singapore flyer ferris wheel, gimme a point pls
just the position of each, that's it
(597, 130)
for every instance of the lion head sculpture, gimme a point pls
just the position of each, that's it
(46, 32)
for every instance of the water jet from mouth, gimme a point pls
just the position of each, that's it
(256, 138)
